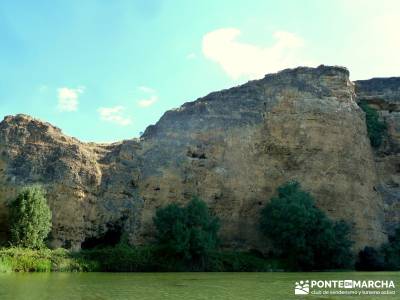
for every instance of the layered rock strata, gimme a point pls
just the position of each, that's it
(232, 148)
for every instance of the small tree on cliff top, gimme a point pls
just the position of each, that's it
(30, 218)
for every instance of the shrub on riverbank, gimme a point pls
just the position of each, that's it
(386, 257)
(43, 260)
(391, 252)
(370, 259)
(124, 258)
(187, 233)
(186, 241)
(302, 234)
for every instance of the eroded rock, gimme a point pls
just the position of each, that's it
(232, 148)
(383, 94)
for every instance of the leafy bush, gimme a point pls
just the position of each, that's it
(376, 129)
(387, 257)
(370, 259)
(30, 218)
(188, 233)
(5, 265)
(302, 234)
(42, 260)
(391, 252)
(125, 258)
(122, 258)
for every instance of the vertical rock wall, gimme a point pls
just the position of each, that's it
(232, 148)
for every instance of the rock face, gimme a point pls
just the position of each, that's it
(89, 186)
(232, 148)
(384, 95)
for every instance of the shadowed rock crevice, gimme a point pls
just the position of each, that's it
(110, 238)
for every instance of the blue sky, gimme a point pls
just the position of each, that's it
(105, 70)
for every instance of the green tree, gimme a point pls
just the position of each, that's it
(187, 232)
(376, 128)
(370, 259)
(30, 218)
(391, 251)
(302, 234)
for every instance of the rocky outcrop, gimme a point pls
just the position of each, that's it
(383, 94)
(89, 186)
(232, 148)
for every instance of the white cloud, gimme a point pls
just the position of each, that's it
(388, 26)
(151, 97)
(147, 101)
(68, 99)
(371, 45)
(114, 115)
(191, 56)
(249, 60)
(146, 89)
(383, 41)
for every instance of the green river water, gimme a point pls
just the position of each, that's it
(177, 286)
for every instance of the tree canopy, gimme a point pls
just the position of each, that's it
(30, 218)
(302, 234)
(188, 232)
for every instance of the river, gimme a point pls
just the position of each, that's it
(176, 286)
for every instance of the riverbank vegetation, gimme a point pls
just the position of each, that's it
(302, 236)
(43, 260)
(186, 240)
(384, 258)
(125, 258)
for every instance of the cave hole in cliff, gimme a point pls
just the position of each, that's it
(111, 237)
(196, 154)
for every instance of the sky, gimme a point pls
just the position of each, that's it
(103, 71)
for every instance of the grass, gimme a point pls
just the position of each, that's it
(43, 260)
(124, 258)
(5, 265)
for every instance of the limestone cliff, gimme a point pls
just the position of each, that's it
(232, 148)
(384, 95)
(89, 188)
